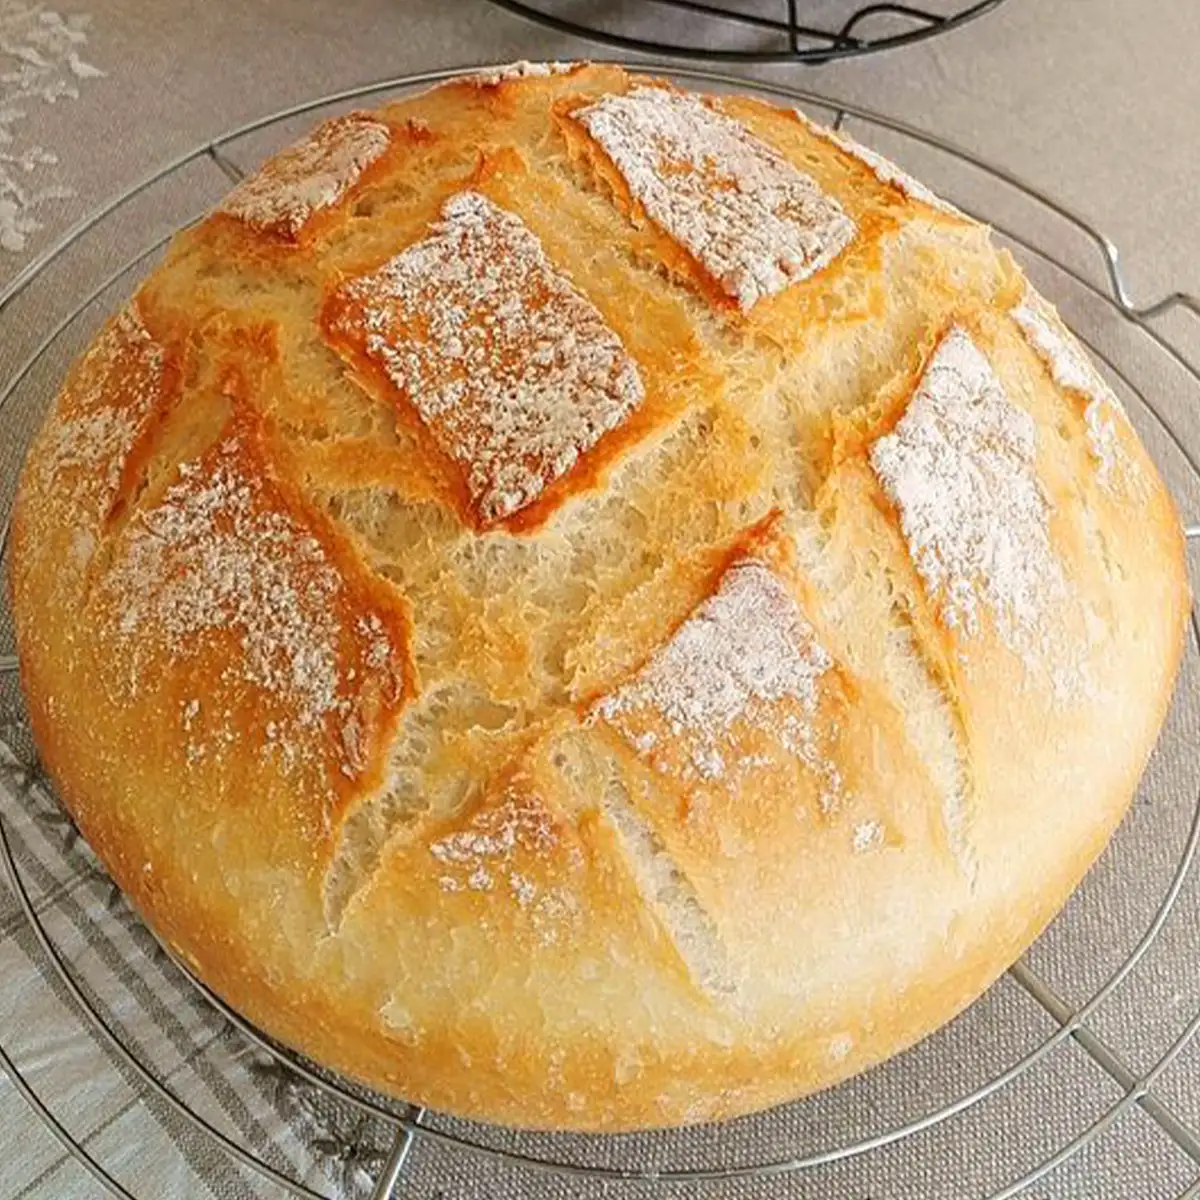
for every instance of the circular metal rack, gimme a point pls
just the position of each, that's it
(1085, 275)
(764, 31)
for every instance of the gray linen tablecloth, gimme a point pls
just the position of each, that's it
(1093, 101)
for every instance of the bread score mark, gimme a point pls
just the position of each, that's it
(886, 171)
(669, 893)
(755, 223)
(430, 772)
(960, 468)
(291, 642)
(314, 175)
(1072, 370)
(91, 445)
(745, 659)
(512, 371)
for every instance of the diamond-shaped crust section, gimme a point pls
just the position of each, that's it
(90, 449)
(309, 177)
(119, 387)
(512, 371)
(743, 672)
(230, 590)
(960, 467)
(752, 221)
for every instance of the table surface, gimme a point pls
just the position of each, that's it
(1092, 101)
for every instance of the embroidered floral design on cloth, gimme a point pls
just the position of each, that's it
(40, 63)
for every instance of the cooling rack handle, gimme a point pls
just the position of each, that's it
(1184, 300)
(1120, 287)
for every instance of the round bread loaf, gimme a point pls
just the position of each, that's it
(591, 606)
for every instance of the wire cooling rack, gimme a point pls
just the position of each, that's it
(1082, 1006)
(801, 31)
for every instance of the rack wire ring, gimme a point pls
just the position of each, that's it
(820, 46)
(1119, 298)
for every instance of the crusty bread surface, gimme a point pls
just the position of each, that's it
(587, 606)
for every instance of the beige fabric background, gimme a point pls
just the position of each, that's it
(1093, 101)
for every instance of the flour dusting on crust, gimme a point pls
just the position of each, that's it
(310, 176)
(498, 852)
(883, 168)
(521, 70)
(960, 469)
(111, 400)
(122, 378)
(1071, 368)
(218, 558)
(746, 654)
(513, 371)
(752, 220)
(867, 836)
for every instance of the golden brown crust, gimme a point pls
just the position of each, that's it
(773, 719)
(848, 290)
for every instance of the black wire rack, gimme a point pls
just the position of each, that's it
(1046, 1020)
(749, 31)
